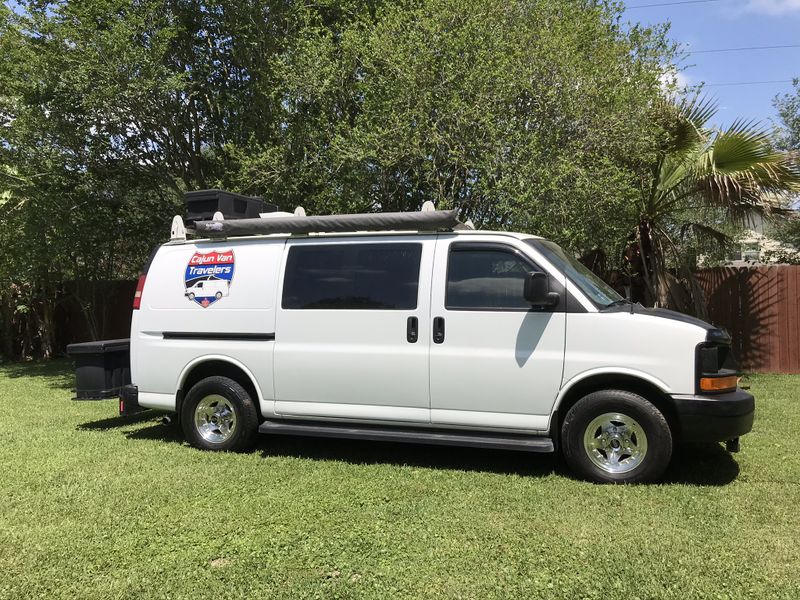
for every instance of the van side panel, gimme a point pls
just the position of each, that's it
(173, 330)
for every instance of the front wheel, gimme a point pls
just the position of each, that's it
(614, 436)
(218, 414)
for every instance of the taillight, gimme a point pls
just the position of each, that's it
(137, 295)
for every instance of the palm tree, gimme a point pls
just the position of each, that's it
(703, 180)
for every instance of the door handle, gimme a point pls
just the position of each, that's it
(438, 330)
(412, 329)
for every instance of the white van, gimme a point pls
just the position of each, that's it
(430, 333)
(209, 287)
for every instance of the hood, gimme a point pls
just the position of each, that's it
(713, 333)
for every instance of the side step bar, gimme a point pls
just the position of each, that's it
(446, 437)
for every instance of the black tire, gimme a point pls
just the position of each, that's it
(236, 400)
(639, 466)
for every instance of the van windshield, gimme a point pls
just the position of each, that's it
(597, 290)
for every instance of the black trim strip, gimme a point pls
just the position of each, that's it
(413, 435)
(191, 335)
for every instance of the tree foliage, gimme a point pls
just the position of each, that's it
(788, 107)
(705, 181)
(535, 115)
(524, 115)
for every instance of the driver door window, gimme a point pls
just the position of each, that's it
(485, 279)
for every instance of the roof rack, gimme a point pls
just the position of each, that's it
(428, 219)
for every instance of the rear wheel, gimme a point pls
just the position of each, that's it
(218, 414)
(614, 436)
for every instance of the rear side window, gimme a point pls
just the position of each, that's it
(486, 279)
(352, 276)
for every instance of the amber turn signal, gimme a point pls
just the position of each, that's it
(719, 384)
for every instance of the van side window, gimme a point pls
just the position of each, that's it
(352, 276)
(489, 278)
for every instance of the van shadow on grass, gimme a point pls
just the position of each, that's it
(365, 452)
(58, 372)
(702, 464)
(695, 464)
(355, 452)
(698, 464)
(154, 429)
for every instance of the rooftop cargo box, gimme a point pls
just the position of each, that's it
(202, 204)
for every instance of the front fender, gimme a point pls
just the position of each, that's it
(607, 372)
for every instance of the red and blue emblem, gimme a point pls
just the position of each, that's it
(208, 276)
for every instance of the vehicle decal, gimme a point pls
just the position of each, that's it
(208, 276)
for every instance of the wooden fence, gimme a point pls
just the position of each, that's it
(112, 313)
(760, 308)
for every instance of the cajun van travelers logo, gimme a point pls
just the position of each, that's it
(208, 276)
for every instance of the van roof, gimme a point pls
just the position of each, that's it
(270, 226)
(352, 234)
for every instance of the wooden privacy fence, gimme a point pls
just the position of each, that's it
(760, 308)
(112, 312)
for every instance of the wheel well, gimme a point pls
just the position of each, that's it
(216, 367)
(628, 383)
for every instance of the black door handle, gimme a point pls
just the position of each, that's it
(438, 330)
(412, 329)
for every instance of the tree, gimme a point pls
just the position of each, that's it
(788, 107)
(524, 115)
(529, 114)
(703, 179)
(82, 195)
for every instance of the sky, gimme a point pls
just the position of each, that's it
(721, 24)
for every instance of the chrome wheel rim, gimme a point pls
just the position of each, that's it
(215, 419)
(615, 443)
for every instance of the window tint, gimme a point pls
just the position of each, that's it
(352, 276)
(486, 279)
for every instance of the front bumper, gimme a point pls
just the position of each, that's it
(714, 418)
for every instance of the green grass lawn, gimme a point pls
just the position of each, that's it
(95, 506)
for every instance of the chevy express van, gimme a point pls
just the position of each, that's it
(412, 327)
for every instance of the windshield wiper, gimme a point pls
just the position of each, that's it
(622, 302)
(619, 302)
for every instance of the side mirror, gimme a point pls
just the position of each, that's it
(537, 290)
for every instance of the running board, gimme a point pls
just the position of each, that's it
(445, 437)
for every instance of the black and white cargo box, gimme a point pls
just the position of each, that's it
(201, 205)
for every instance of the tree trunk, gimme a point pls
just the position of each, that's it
(645, 253)
(654, 267)
(26, 351)
(87, 309)
(45, 328)
(6, 326)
